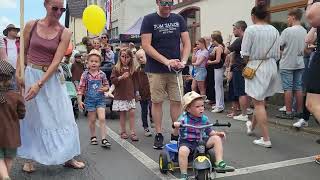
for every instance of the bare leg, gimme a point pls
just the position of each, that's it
(243, 101)
(313, 104)
(299, 98)
(261, 117)
(132, 120)
(92, 122)
(288, 100)
(157, 116)
(216, 143)
(4, 172)
(175, 111)
(194, 85)
(202, 87)
(122, 121)
(8, 162)
(184, 152)
(102, 122)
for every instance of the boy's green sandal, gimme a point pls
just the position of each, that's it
(184, 177)
(221, 167)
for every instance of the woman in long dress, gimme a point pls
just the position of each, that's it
(49, 133)
(261, 45)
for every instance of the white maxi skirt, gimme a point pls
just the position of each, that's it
(49, 133)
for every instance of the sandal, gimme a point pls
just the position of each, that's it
(317, 159)
(124, 135)
(222, 167)
(105, 143)
(28, 168)
(93, 140)
(134, 137)
(74, 164)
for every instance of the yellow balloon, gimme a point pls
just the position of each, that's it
(94, 19)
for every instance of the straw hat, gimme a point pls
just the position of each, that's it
(189, 97)
(95, 53)
(10, 27)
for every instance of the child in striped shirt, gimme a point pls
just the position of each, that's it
(193, 106)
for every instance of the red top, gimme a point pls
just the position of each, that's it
(41, 51)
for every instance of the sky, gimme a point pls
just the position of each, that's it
(10, 12)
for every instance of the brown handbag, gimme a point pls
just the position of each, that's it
(249, 72)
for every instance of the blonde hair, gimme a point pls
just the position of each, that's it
(119, 65)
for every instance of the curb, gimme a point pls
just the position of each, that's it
(305, 129)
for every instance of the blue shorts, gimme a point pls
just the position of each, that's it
(200, 73)
(238, 84)
(192, 145)
(92, 104)
(291, 79)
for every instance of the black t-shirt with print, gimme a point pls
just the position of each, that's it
(236, 48)
(166, 35)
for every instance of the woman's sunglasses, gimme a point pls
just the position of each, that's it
(55, 8)
(166, 3)
(103, 37)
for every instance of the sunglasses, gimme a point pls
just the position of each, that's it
(166, 3)
(104, 37)
(55, 8)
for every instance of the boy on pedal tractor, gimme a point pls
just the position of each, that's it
(193, 107)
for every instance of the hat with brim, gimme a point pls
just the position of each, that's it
(189, 97)
(8, 28)
(94, 52)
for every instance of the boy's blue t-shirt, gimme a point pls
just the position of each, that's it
(166, 38)
(192, 134)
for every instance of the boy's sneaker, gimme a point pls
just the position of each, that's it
(285, 116)
(184, 177)
(263, 143)
(241, 117)
(300, 123)
(222, 167)
(249, 128)
(147, 132)
(105, 143)
(317, 159)
(158, 141)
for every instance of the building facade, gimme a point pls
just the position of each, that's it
(126, 12)
(205, 16)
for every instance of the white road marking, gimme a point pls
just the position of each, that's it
(154, 167)
(269, 166)
(139, 155)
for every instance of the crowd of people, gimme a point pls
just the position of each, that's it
(247, 69)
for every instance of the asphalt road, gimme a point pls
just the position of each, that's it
(290, 158)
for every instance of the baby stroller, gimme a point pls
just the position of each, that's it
(106, 67)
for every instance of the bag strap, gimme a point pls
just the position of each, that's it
(265, 57)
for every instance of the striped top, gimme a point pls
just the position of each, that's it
(258, 39)
(192, 134)
(87, 76)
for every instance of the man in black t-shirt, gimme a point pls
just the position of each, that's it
(236, 69)
(161, 35)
